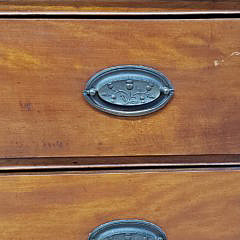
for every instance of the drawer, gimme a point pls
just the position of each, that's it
(45, 65)
(187, 205)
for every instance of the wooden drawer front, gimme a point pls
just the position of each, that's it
(119, 5)
(187, 205)
(45, 64)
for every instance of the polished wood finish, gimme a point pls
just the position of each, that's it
(44, 65)
(188, 205)
(119, 5)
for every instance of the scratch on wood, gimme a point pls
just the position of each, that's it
(218, 62)
(26, 106)
(235, 54)
(57, 144)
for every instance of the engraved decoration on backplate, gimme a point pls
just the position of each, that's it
(129, 92)
(127, 236)
(128, 230)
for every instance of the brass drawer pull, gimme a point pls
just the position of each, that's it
(128, 230)
(129, 90)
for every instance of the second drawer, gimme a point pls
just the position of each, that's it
(187, 205)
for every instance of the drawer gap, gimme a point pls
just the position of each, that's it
(131, 162)
(124, 169)
(121, 15)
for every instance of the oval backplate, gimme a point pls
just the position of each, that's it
(128, 230)
(128, 90)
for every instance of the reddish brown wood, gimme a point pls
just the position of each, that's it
(187, 205)
(119, 5)
(44, 65)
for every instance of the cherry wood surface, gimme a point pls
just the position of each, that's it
(119, 5)
(187, 205)
(45, 64)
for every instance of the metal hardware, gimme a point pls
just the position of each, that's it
(128, 230)
(128, 90)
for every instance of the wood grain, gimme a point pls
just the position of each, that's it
(187, 205)
(44, 65)
(119, 5)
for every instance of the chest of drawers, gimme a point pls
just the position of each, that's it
(67, 168)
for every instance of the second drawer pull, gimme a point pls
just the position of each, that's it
(128, 230)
